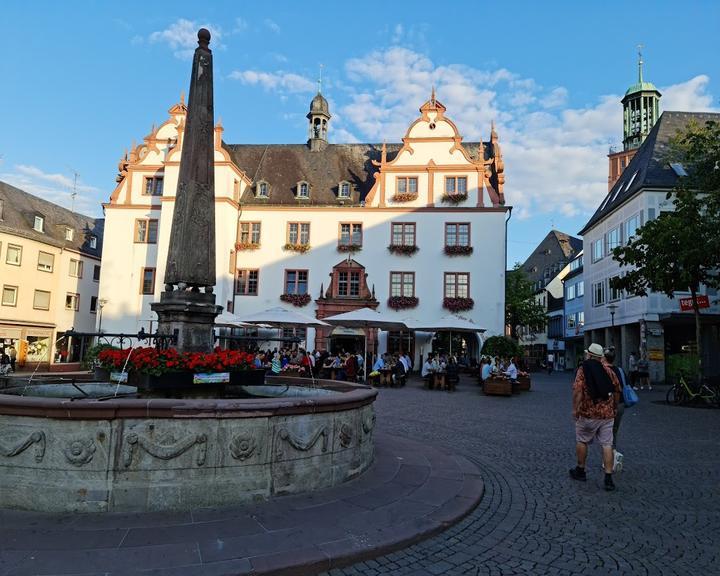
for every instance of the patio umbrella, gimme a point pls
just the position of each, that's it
(365, 318)
(230, 320)
(449, 323)
(281, 318)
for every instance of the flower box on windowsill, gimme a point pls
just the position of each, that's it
(298, 300)
(349, 247)
(458, 304)
(458, 250)
(246, 246)
(404, 197)
(403, 249)
(402, 302)
(302, 248)
(454, 198)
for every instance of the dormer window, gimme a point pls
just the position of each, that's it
(69, 234)
(2, 202)
(39, 225)
(303, 190)
(93, 242)
(262, 189)
(344, 190)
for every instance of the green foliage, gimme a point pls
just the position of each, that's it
(91, 354)
(501, 346)
(685, 365)
(521, 308)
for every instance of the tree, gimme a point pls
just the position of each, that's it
(501, 346)
(521, 308)
(680, 250)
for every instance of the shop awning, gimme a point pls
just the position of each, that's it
(343, 331)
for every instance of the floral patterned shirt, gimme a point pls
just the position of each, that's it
(583, 404)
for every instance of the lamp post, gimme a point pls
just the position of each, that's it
(611, 308)
(101, 305)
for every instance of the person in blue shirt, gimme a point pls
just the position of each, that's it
(379, 363)
(486, 369)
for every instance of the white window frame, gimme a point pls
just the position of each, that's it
(601, 243)
(262, 189)
(93, 242)
(18, 250)
(36, 306)
(616, 242)
(300, 186)
(39, 224)
(76, 271)
(46, 267)
(69, 234)
(11, 290)
(344, 184)
(601, 301)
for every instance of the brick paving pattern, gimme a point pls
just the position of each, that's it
(664, 518)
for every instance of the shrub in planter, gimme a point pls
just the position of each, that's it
(246, 246)
(403, 249)
(404, 197)
(296, 299)
(458, 250)
(402, 302)
(501, 346)
(458, 304)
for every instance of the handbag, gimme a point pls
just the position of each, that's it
(630, 397)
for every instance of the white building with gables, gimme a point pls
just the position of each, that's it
(415, 230)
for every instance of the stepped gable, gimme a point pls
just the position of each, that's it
(18, 217)
(282, 166)
(650, 167)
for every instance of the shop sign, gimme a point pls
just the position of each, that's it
(656, 355)
(686, 303)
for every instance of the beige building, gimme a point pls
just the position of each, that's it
(49, 277)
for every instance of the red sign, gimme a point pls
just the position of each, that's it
(686, 303)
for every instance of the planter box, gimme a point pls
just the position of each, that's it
(174, 385)
(524, 383)
(247, 378)
(497, 387)
(101, 374)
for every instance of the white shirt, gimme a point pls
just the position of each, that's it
(512, 371)
(426, 369)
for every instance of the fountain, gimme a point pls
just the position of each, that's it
(96, 447)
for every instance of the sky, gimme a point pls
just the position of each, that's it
(82, 80)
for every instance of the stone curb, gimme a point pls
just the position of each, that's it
(411, 492)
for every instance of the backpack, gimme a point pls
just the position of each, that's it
(599, 385)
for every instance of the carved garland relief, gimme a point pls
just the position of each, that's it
(167, 449)
(36, 439)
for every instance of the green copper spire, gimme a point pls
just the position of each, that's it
(641, 108)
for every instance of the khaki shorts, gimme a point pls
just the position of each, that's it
(587, 429)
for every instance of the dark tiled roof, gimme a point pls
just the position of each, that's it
(650, 167)
(557, 248)
(282, 166)
(18, 217)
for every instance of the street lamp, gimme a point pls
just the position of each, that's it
(101, 305)
(612, 308)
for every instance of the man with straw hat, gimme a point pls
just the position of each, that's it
(595, 393)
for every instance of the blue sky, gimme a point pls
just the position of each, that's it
(82, 80)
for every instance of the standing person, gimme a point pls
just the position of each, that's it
(643, 367)
(632, 364)
(620, 407)
(275, 366)
(550, 362)
(13, 356)
(595, 395)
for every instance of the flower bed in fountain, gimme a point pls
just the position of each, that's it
(170, 371)
(458, 304)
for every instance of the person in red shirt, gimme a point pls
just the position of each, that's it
(596, 391)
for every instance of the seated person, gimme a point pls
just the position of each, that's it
(512, 371)
(379, 363)
(428, 366)
(486, 370)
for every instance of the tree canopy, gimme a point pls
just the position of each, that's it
(521, 308)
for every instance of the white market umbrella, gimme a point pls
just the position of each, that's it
(365, 318)
(281, 318)
(449, 323)
(230, 320)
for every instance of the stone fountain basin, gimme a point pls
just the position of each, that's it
(137, 455)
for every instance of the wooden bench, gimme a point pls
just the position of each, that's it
(497, 387)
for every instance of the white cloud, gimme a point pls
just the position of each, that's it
(555, 98)
(181, 37)
(690, 96)
(56, 188)
(275, 81)
(272, 25)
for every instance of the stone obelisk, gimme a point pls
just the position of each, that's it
(187, 306)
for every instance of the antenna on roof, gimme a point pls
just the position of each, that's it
(319, 82)
(73, 194)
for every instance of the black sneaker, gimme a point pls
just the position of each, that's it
(609, 484)
(578, 473)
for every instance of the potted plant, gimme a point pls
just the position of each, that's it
(302, 248)
(246, 246)
(458, 250)
(298, 300)
(402, 302)
(349, 247)
(458, 304)
(404, 197)
(404, 249)
(454, 198)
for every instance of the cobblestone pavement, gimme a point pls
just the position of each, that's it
(664, 517)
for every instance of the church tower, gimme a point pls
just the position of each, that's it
(641, 109)
(318, 118)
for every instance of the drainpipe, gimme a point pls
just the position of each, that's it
(509, 215)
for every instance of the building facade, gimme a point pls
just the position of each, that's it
(49, 275)
(574, 312)
(416, 229)
(654, 326)
(545, 269)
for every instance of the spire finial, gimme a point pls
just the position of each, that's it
(432, 95)
(182, 96)
(204, 38)
(319, 82)
(640, 63)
